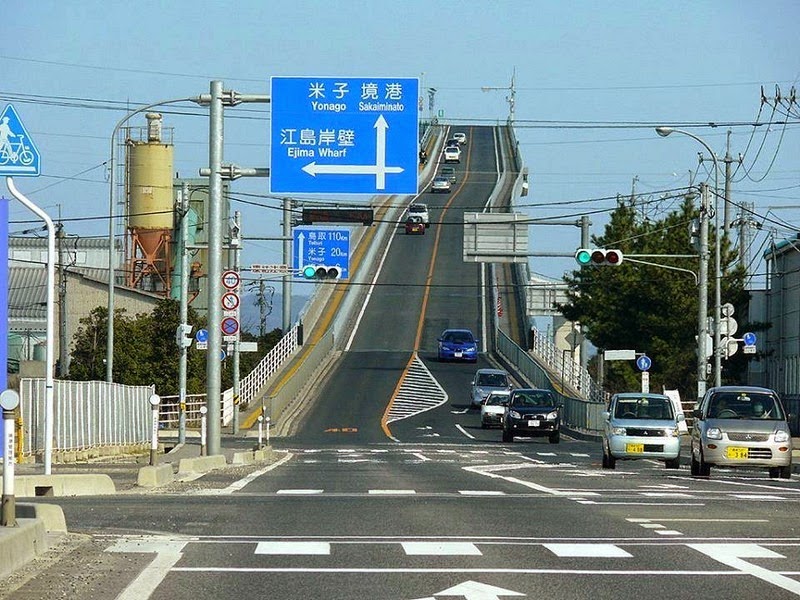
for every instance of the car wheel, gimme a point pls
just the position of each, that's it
(785, 472)
(484, 426)
(774, 472)
(609, 462)
(554, 438)
(703, 468)
(507, 436)
(695, 468)
(673, 463)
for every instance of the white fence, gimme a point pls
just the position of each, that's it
(251, 384)
(86, 414)
(571, 373)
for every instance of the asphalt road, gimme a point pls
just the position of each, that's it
(367, 504)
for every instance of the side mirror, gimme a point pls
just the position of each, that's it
(697, 413)
(606, 415)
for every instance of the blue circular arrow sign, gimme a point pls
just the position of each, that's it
(201, 335)
(749, 339)
(644, 363)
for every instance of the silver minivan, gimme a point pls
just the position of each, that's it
(639, 425)
(741, 426)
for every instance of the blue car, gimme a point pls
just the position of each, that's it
(458, 344)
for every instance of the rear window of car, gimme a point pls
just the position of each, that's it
(448, 171)
(417, 208)
(496, 400)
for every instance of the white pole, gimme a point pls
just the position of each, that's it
(267, 431)
(203, 423)
(260, 430)
(50, 321)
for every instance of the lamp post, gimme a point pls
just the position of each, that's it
(664, 132)
(111, 253)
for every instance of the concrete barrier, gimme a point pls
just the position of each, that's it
(21, 544)
(252, 456)
(50, 514)
(154, 476)
(68, 484)
(201, 464)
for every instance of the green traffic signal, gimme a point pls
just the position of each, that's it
(309, 271)
(583, 256)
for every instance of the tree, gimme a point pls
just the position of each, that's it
(647, 308)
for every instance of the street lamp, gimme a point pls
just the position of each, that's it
(664, 132)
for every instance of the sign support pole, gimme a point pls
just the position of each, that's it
(50, 319)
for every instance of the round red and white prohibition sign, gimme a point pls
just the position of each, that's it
(230, 301)
(231, 279)
(230, 326)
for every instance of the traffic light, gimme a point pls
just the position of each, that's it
(182, 335)
(321, 272)
(597, 257)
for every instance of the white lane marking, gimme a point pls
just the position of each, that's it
(645, 504)
(667, 532)
(652, 525)
(168, 553)
(392, 492)
(481, 493)
(445, 570)
(294, 548)
(546, 454)
(299, 492)
(488, 471)
(440, 549)
(420, 456)
(238, 485)
(757, 497)
(732, 555)
(666, 495)
(680, 520)
(587, 550)
(579, 454)
(464, 431)
(419, 392)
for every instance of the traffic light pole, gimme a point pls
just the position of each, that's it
(702, 309)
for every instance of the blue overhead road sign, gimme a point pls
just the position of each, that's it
(344, 135)
(18, 154)
(322, 247)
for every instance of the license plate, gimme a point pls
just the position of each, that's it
(533, 423)
(634, 448)
(735, 452)
(458, 354)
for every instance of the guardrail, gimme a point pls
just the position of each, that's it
(86, 415)
(252, 383)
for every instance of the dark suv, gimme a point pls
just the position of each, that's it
(532, 413)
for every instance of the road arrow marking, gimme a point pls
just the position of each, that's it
(474, 590)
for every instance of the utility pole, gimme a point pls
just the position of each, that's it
(585, 223)
(702, 309)
(184, 311)
(63, 346)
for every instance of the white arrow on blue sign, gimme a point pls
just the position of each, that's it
(18, 153)
(644, 363)
(344, 135)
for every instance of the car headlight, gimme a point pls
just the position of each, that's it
(781, 435)
(551, 416)
(618, 431)
(714, 433)
(514, 414)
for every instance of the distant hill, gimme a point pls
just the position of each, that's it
(250, 313)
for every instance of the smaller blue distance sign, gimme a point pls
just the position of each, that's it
(322, 247)
(344, 135)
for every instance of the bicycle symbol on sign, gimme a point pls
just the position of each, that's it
(16, 152)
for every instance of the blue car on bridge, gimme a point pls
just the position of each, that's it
(458, 344)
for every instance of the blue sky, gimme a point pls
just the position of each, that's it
(582, 69)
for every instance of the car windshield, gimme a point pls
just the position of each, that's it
(533, 398)
(496, 400)
(458, 337)
(492, 379)
(643, 408)
(744, 405)
(417, 208)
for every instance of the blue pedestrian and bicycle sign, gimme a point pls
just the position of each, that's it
(321, 247)
(643, 363)
(334, 135)
(18, 154)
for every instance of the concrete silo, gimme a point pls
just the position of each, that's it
(150, 210)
